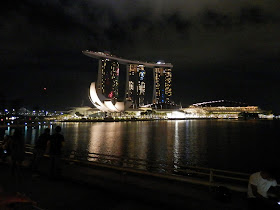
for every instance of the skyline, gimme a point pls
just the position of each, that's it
(219, 50)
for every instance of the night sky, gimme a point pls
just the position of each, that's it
(220, 49)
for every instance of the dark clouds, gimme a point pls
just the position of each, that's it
(219, 49)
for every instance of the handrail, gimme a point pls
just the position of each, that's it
(216, 170)
(159, 167)
(214, 175)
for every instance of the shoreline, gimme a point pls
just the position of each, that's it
(42, 123)
(137, 119)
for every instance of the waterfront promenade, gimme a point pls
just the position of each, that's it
(97, 187)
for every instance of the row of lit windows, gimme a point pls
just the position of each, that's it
(160, 75)
(112, 74)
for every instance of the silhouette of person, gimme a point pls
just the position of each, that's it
(17, 152)
(40, 149)
(55, 144)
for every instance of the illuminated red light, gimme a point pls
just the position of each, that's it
(111, 94)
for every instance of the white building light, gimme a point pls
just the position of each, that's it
(176, 115)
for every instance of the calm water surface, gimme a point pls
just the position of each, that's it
(223, 144)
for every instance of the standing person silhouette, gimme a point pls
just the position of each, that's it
(40, 149)
(55, 145)
(17, 153)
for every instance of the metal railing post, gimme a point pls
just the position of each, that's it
(123, 177)
(211, 176)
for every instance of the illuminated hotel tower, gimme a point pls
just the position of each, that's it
(162, 87)
(136, 84)
(108, 78)
(105, 93)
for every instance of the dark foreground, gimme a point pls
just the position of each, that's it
(95, 187)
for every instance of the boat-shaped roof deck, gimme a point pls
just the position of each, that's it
(125, 61)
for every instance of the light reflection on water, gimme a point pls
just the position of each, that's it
(225, 144)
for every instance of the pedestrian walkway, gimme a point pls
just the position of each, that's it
(92, 186)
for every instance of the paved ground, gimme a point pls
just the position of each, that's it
(98, 188)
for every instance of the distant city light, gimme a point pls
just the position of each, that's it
(160, 62)
(176, 115)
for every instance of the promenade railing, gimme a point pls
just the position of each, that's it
(208, 176)
(200, 175)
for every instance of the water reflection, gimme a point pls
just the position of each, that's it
(25, 133)
(176, 144)
(8, 131)
(33, 135)
(225, 144)
(143, 143)
(105, 138)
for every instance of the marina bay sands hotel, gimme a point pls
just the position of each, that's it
(123, 84)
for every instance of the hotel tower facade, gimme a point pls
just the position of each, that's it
(143, 83)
